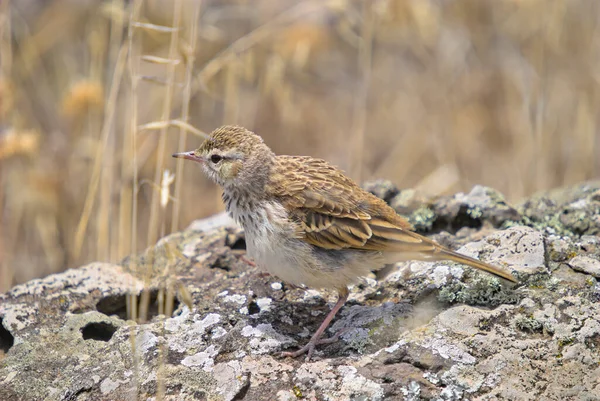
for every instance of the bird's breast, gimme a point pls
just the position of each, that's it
(266, 225)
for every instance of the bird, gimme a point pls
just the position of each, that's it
(309, 224)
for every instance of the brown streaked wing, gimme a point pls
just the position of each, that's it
(335, 213)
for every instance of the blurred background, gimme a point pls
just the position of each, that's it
(438, 95)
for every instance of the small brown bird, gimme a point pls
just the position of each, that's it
(306, 222)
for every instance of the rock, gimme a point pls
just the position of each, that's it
(590, 244)
(571, 211)
(430, 330)
(560, 248)
(383, 189)
(482, 204)
(586, 265)
(518, 248)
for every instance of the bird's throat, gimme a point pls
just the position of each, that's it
(243, 207)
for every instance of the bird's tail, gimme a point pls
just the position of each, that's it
(446, 254)
(409, 245)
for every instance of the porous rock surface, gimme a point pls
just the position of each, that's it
(426, 331)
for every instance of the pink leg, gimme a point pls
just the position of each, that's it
(244, 259)
(316, 338)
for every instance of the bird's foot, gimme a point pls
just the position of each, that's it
(309, 348)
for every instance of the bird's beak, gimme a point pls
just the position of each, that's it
(191, 155)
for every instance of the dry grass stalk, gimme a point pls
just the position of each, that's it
(100, 152)
(153, 233)
(182, 125)
(189, 57)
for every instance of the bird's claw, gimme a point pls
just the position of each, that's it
(309, 348)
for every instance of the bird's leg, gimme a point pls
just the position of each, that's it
(316, 338)
(244, 259)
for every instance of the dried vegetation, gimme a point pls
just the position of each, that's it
(440, 95)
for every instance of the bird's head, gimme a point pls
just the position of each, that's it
(233, 156)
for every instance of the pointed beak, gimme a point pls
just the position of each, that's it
(191, 155)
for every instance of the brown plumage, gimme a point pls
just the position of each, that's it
(333, 212)
(308, 223)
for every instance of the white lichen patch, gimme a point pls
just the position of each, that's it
(448, 350)
(264, 339)
(264, 304)
(208, 321)
(338, 383)
(231, 378)
(276, 286)
(174, 323)
(440, 275)
(411, 392)
(17, 317)
(431, 377)
(249, 331)
(146, 340)
(465, 377)
(108, 385)
(395, 347)
(218, 332)
(235, 298)
(457, 272)
(204, 360)
(354, 384)
(190, 334)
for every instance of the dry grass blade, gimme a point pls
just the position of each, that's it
(154, 27)
(131, 138)
(153, 234)
(159, 60)
(106, 130)
(182, 124)
(160, 125)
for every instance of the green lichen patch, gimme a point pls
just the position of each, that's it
(482, 291)
(423, 219)
(529, 324)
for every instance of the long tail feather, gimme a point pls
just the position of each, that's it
(443, 253)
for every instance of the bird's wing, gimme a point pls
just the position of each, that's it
(332, 212)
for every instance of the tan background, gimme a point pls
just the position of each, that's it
(435, 94)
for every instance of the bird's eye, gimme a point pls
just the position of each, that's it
(215, 159)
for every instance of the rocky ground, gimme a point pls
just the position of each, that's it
(431, 331)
